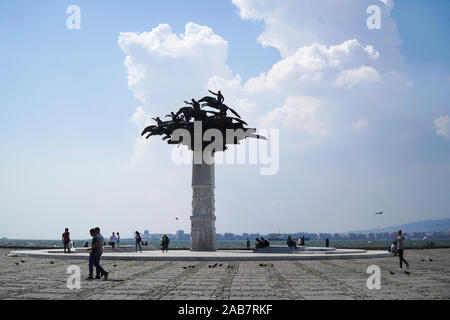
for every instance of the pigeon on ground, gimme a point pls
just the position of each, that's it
(431, 259)
(114, 265)
(423, 259)
(51, 262)
(23, 261)
(391, 272)
(220, 265)
(17, 264)
(407, 272)
(214, 265)
(184, 267)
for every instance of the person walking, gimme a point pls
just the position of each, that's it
(165, 243)
(138, 239)
(101, 245)
(327, 242)
(248, 243)
(400, 239)
(113, 240)
(118, 239)
(66, 240)
(94, 256)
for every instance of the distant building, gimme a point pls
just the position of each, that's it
(145, 235)
(323, 236)
(219, 236)
(179, 235)
(253, 236)
(228, 236)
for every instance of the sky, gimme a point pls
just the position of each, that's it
(362, 114)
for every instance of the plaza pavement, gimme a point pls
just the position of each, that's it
(37, 278)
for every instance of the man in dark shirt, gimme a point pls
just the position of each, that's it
(66, 240)
(94, 256)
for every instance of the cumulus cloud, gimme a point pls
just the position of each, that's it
(310, 89)
(318, 63)
(298, 23)
(164, 69)
(351, 77)
(161, 64)
(300, 113)
(442, 125)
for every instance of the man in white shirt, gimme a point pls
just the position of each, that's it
(113, 240)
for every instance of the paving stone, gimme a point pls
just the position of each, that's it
(167, 280)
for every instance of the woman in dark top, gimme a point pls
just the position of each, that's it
(138, 241)
(165, 243)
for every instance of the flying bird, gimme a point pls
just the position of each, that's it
(381, 212)
(176, 218)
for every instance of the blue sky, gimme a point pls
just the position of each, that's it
(66, 138)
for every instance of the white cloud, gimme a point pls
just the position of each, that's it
(298, 23)
(318, 63)
(442, 125)
(351, 77)
(165, 68)
(141, 117)
(299, 113)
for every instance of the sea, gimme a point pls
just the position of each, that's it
(236, 244)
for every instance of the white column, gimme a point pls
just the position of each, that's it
(203, 230)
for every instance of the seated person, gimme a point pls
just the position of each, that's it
(291, 243)
(259, 244)
(265, 242)
(302, 241)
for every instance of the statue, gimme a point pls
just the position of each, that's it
(196, 110)
(203, 234)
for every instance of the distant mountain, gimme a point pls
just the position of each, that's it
(441, 225)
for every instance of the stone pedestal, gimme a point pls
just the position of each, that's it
(203, 230)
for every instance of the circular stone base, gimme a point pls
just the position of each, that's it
(219, 255)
